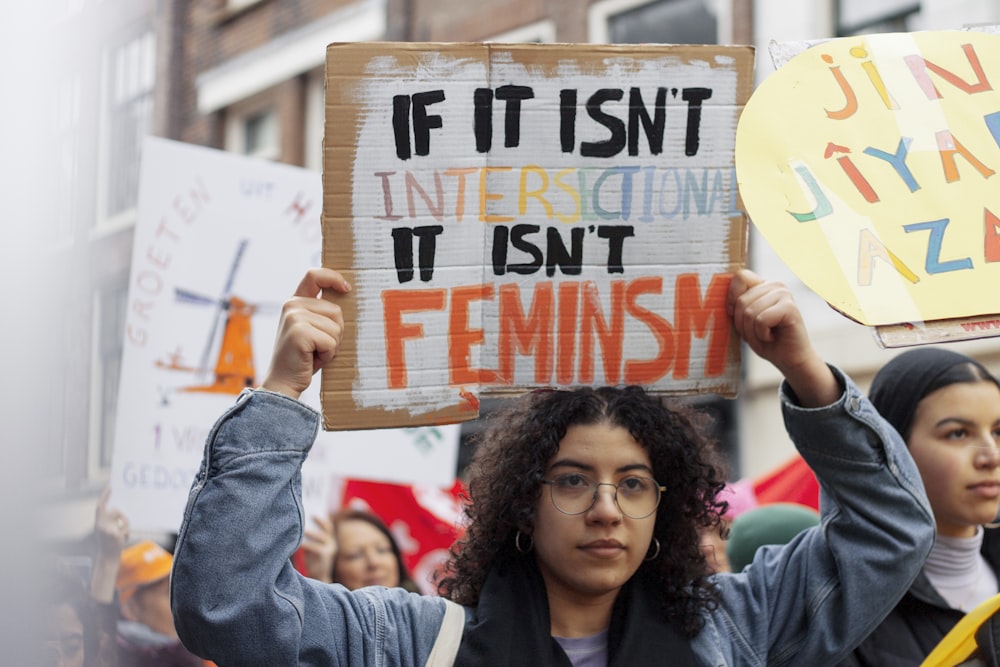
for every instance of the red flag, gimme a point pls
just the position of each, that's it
(793, 482)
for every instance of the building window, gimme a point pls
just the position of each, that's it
(315, 118)
(110, 330)
(130, 74)
(858, 17)
(259, 133)
(658, 22)
(252, 129)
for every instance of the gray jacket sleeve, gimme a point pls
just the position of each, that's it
(811, 601)
(235, 596)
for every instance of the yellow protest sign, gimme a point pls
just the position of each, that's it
(870, 163)
(959, 645)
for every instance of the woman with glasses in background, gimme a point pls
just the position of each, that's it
(582, 543)
(355, 548)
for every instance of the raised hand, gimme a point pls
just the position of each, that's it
(766, 317)
(111, 532)
(319, 549)
(308, 334)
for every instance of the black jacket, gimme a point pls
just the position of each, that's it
(921, 619)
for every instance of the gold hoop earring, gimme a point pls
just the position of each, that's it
(521, 549)
(656, 552)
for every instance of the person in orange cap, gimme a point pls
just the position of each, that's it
(146, 634)
(142, 585)
(137, 575)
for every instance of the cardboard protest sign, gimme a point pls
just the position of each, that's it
(516, 216)
(221, 240)
(869, 164)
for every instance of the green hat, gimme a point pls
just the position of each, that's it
(774, 523)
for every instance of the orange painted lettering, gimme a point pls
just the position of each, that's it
(461, 338)
(394, 304)
(651, 370)
(992, 236)
(609, 334)
(485, 196)
(948, 145)
(696, 317)
(569, 297)
(918, 67)
(520, 334)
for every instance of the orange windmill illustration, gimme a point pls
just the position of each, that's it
(234, 367)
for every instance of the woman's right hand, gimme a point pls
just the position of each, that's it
(308, 334)
(765, 315)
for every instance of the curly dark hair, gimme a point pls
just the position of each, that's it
(511, 459)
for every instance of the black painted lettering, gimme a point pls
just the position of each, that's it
(519, 242)
(499, 253)
(401, 125)
(694, 97)
(513, 96)
(616, 235)
(423, 122)
(653, 127)
(402, 246)
(616, 142)
(570, 262)
(567, 119)
(482, 119)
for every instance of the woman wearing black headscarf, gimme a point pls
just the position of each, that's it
(947, 408)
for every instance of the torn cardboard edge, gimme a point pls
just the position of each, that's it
(938, 331)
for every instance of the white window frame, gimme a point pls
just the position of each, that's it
(236, 121)
(543, 32)
(240, 5)
(288, 56)
(104, 222)
(96, 471)
(315, 119)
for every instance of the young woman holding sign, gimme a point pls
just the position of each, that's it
(947, 408)
(582, 544)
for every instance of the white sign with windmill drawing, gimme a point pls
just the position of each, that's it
(221, 240)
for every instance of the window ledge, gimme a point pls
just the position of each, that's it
(228, 13)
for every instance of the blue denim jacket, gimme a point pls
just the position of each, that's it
(238, 601)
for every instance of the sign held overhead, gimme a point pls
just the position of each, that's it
(520, 216)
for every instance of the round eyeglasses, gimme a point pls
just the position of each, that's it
(575, 493)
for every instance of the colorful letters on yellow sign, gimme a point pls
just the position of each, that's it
(870, 165)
